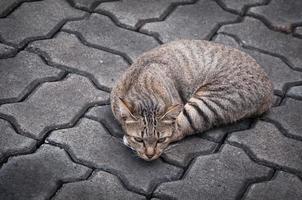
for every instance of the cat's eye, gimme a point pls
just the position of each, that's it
(137, 139)
(161, 140)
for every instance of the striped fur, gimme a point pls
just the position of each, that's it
(212, 83)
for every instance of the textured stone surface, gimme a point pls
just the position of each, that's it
(85, 4)
(283, 186)
(281, 14)
(6, 50)
(56, 104)
(295, 92)
(101, 185)
(106, 152)
(181, 153)
(203, 182)
(289, 116)
(110, 36)
(23, 24)
(68, 51)
(239, 5)
(276, 69)
(131, 12)
(11, 143)
(197, 21)
(284, 45)
(36, 176)
(298, 31)
(19, 74)
(268, 144)
(104, 115)
(7, 6)
(97, 46)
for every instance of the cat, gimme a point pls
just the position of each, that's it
(185, 87)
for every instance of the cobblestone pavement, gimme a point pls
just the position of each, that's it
(59, 140)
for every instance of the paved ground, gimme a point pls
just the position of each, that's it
(59, 140)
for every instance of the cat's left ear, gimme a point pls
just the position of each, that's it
(125, 110)
(171, 113)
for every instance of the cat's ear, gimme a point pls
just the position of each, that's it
(125, 110)
(171, 113)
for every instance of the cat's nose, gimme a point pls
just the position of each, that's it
(150, 152)
(150, 156)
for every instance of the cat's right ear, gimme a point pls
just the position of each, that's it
(125, 110)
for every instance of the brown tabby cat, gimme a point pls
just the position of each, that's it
(185, 87)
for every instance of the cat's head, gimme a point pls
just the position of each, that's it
(148, 132)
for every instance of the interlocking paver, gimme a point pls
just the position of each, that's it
(289, 116)
(6, 50)
(53, 104)
(36, 176)
(281, 14)
(267, 40)
(298, 31)
(19, 74)
(23, 24)
(7, 6)
(197, 21)
(283, 186)
(181, 153)
(269, 145)
(295, 91)
(60, 58)
(111, 36)
(85, 4)
(90, 143)
(104, 115)
(11, 143)
(276, 69)
(240, 6)
(131, 12)
(68, 51)
(102, 185)
(216, 176)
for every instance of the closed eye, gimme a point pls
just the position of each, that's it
(161, 140)
(137, 139)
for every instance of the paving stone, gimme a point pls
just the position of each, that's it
(289, 116)
(85, 4)
(101, 186)
(283, 186)
(295, 91)
(182, 152)
(216, 176)
(239, 5)
(23, 24)
(298, 30)
(276, 69)
(269, 145)
(53, 105)
(281, 14)
(104, 115)
(19, 74)
(106, 152)
(11, 143)
(131, 12)
(6, 50)
(284, 45)
(68, 51)
(100, 30)
(197, 21)
(7, 6)
(36, 176)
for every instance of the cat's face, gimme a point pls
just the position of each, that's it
(149, 134)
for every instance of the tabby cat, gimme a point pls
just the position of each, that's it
(186, 87)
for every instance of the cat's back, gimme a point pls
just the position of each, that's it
(191, 63)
